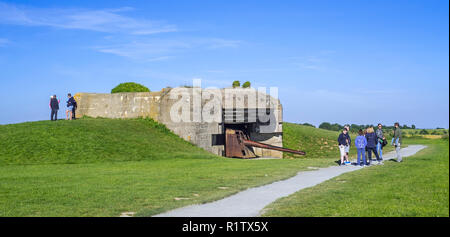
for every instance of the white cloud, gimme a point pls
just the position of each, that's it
(126, 35)
(104, 20)
(4, 42)
(158, 50)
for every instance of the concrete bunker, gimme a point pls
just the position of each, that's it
(201, 116)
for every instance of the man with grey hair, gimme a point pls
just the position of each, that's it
(397, 141)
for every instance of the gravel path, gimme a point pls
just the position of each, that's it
(250, 202)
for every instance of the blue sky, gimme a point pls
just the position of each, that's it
(359, 62)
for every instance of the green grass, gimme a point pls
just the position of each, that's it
(417, 187)
(103, 167)
(91, 140)
(316, 142)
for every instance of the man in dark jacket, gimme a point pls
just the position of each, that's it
(343, 142)
(349, 142)
(54, 106)
(74, 104)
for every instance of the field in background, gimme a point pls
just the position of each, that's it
(425, 133)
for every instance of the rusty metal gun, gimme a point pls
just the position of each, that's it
(237, 144)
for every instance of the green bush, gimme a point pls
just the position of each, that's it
(129, 87)
(246, 84)
(236, 84)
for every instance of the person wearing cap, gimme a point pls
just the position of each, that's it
(343, 142)
(349, 142)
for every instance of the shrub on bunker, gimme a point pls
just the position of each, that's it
(129, 87)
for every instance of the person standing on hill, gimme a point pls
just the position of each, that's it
(372, 144)
(343, 142)
(397, 140)
(75, 106)
(360, 144)
(70, 104)
(54, 106)
(380, 139)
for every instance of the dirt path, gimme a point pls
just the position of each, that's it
(250, 202)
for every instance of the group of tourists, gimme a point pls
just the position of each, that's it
(70, 111)
(367, 142)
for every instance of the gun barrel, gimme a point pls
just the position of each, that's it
(266, 146)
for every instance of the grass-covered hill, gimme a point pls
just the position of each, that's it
(104, 167)
(91, 140)
(315, 142)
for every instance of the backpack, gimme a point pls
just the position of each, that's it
(383, 143)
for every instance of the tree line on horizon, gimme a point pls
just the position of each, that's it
(354, 128)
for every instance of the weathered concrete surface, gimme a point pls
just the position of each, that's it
(119, 105)
(251, 202)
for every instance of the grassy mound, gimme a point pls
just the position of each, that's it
(103, 167)
(91, 140)
(315, 142)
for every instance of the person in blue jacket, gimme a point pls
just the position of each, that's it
(360, 144)
(70, 105)
(372, 141)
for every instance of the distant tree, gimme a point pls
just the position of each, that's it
(325, 125)
(246, 84)
(336, 127)
(413, 126)
(423, 132)
(435, 132)
(236, 84)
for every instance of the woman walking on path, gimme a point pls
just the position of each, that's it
(360, 144)
(372, 144)
(397, 140)
(343, 142)
(380, 139)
